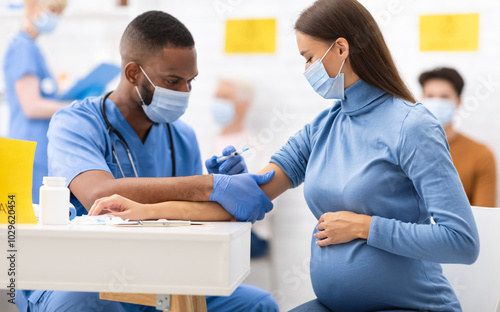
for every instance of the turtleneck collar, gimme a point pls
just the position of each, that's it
(360, 97)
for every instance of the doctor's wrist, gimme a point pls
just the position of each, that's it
(207, 187)
(193, 188)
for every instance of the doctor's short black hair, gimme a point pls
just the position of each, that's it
(154, 30)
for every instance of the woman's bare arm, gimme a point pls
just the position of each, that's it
(125, 208)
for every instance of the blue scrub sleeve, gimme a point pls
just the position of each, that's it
(197, 163)
(424, 157)
(293, 157)
(187, 150)
(21, 60)
(77, 143)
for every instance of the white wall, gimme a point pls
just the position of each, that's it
(91, 30)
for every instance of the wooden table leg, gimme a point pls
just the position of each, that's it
(180, 303)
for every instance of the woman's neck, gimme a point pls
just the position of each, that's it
(350, 78)
(234, 127)
(29, 28)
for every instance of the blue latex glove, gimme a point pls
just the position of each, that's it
(233, 165)
(241, 195)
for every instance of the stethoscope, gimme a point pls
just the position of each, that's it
(124, 143)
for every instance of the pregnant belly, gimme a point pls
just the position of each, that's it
(358, 277)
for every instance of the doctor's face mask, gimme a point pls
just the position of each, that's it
(167, 105)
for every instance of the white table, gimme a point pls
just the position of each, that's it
(211, 259)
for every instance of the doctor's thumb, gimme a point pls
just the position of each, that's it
(264, 178)
(211, 163)
(228, 150)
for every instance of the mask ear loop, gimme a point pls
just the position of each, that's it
(146, 76)
(328, 51)
(137, 89)
(140, 96)
(341, 66)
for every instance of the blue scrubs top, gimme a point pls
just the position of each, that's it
(23, 58)
(79, 142)
(378, 155)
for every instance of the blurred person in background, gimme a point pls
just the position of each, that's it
(30, 85)
(475, 163)
(233, 98)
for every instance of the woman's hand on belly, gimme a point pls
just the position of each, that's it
(342, 227)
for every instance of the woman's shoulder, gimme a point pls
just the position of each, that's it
(22, 41)
(21, 53)
(411, 114)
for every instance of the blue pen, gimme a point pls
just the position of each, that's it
(236, 153)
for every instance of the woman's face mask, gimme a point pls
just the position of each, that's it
(223, 111)
(46, 22)
(328, 88)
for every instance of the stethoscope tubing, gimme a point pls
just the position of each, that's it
(124, 143)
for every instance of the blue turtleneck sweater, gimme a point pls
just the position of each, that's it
(378, 155)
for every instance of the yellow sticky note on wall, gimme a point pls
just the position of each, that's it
(16, 174)
(251, 36)
(456, 32)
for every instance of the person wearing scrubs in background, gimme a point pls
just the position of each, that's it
(475, 163)
(30, 87)
(376, 167)
(131, 142)
(233, 98)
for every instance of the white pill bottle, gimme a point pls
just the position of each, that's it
(54, 201)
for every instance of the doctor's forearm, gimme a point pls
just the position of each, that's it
(94, 184)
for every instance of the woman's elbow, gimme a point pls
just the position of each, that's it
(470, 251)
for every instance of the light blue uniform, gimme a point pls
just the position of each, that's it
(79, 142)
(378, 155)
(23, 58)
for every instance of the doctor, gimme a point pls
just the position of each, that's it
(130, 142)
(30, 87)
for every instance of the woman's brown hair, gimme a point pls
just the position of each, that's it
(328, 20)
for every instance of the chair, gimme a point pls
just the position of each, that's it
(478, 286)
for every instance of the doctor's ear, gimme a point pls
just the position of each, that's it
(131, 72)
